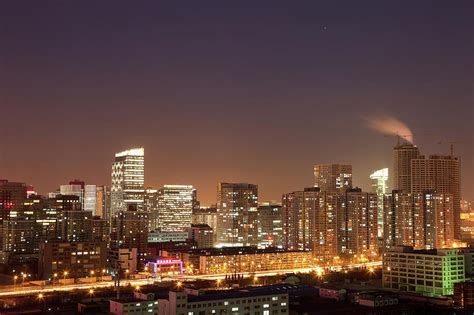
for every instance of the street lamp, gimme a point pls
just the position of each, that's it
(55, 275)
(65, 274)
(24, 277)
(178, 284)
(14, 280)
(218, 282)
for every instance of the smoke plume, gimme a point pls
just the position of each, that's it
(389, 125)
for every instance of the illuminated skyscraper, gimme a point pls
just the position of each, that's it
(380, 187)
(441, 174)
(90, 198)
(102, 202)
(128, 181)
(175, 207)
(403, 154)
(237, 222)
(333, 177)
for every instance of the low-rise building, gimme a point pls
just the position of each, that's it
(254, 300)
(430, 272)
(377, 299)
(251, 259)
(133, 305)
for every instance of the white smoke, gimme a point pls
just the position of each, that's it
(389, 125)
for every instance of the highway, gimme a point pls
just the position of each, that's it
(21, 290)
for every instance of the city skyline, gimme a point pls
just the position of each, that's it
(244, 94)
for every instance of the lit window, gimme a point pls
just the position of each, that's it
(283, 304)
(275, 298)
(266, 305)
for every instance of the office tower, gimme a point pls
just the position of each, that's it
(206, 215)
(441, 174)
(325, 241)
(129, 231)
(333, 177)
(270, 225)
(151, 207)
(128, 181)
(102, 207)
(422, 220)
(175, 207)
(74, 188)
(237, 214)
(403, 155)
(90, 199)
(202, 235)
(358, 224)
(379, 180)
(12, 196)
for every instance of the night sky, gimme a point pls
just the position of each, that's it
(252, 91)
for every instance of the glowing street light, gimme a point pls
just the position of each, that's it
(179, 284)
(65, 274)
(91, 291)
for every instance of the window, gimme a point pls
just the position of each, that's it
(267, 312)
(283, 304)
(275, 298)
(266, 305)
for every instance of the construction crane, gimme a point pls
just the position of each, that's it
(451, 145)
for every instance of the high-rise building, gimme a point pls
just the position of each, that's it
(358, 224)
(333, 177)
(151, 207)
(202, 235)
(12, 196)
(310, 221)
(206, 215)
(295, 221)
(175, 207)
(130, 230)
(403, 154)
(441, 174)
(379, 180)
(237, 222)
(325, 229)
(102, 207)
(74, 188)
(270, 225)
(422, 220)
(128, 181)
(90, 199)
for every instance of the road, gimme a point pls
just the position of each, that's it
(19, 290)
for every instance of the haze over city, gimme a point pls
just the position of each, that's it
(242, 92)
